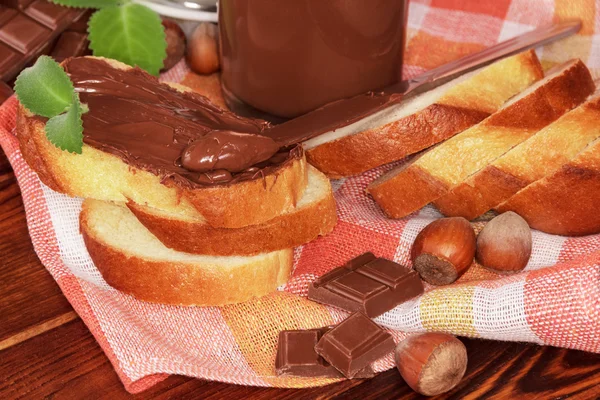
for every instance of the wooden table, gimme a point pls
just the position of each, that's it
(47, 351)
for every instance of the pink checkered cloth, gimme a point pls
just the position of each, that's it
(555, 301)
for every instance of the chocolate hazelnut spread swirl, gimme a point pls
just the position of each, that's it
(150, 125)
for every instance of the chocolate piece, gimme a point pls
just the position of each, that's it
(354, 344)
(5, 92)
(148, 124)
(296, 356)
(48, 14)
(367, 284)
(23, 34)
(227, 150)
(80, 23)
(29, 29)
(70, 44)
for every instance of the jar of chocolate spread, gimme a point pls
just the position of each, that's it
(288, 57)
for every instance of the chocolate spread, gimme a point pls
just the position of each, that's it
(226, 150)
(289, 57)
(149, 125)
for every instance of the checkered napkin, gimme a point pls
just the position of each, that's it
(556, 301)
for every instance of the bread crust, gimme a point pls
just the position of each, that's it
(393, 198)
(354, 154)
(103, 176)
(566, 202)
(492, 185)
(447, 165)
(464, 106)
(183, 283)
(287, 230)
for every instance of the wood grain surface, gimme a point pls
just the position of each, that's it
(46, 351)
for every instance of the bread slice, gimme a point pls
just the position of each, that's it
(566, 201)
(538, 156)
(431, 175)
(134, 261)
(314, 215)
(103, 176)
(423, 120)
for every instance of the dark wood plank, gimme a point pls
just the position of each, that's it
(28, 294)
(67, 363)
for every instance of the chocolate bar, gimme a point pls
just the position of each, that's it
(367, 284)
(354, 344)
(29, 28)
(296, 356)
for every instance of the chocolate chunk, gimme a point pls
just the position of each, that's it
(367, 284)
(48, 14)
(296, 356)
(70, 44)
(354, 344)
(29, 29)
(23, 34)
(80, 23)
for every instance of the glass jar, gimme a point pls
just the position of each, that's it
(287, 57)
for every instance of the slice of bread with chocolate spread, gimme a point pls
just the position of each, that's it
(134, 156)
(314, 215)
(134, 261)
(424, 120)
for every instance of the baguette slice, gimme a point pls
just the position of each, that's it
(538, 156)
(134, 261)
(431, 175)
(566, 201)
(314, 215)
(423, 120)
(103, 176)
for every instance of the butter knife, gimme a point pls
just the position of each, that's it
(344, 112)
(447, 72)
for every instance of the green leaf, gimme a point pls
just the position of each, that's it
(89, 3)
(65, 131)
(45, 88)
(131, 33)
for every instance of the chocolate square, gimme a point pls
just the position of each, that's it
(70, 44)
(48, 14)
(354, 344)
(23, 34)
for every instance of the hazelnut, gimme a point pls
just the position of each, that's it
(431, 363)
(175, 43)
(203, 49)
(444, 250)
(504, 244)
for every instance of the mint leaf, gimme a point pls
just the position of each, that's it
(89, 3)
(65, 131)
(45, 88)
(131, 33)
